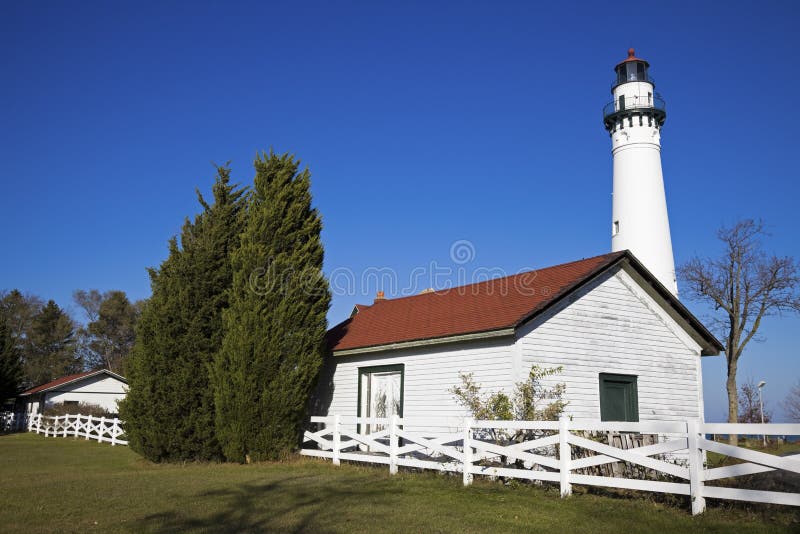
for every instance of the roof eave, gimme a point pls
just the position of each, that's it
(90, 375)
(472, 336)
(599, 270)
(710, 345)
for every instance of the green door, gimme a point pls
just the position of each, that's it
(619, 399)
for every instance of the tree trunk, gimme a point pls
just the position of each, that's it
(733, 398)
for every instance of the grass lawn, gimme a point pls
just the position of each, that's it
(773, 447)
(66, 485)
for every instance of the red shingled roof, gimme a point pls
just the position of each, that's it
(67, 379)
(481, 307)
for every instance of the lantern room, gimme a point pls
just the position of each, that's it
(632, 69)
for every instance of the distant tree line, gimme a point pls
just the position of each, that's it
(231, 341)
(39, 341)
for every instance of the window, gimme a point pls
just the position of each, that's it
(615, 228)
(619, 399)
(621, 74)
(631, 72)
(621, 102)
(380, 392)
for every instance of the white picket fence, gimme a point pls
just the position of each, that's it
(552, 451)
(103, 429)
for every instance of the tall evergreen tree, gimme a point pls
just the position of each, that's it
(50, 346)
(169, 409)
(275, 325)
(10, 364)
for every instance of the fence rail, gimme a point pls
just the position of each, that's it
(674, 462)
(102, 429)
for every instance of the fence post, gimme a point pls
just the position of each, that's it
(88, 427)
(695, 466)
(564, 456)
(66, 425)
(337, 438)
(102, 429)
(393, 444)
(467, 467)
(114, 432)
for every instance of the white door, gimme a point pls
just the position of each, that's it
(380, 395)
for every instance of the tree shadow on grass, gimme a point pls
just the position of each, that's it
(287, 505)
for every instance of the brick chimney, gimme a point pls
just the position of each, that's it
(379, 296)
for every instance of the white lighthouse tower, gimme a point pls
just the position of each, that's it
(639, 214)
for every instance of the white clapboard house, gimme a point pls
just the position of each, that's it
(102, 387)
(630, 351)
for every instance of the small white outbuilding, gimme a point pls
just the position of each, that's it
(102, 387)
(629, 350)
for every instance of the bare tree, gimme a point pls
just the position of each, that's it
(108, 337)
(750, 405)
(744, 285)
(90, 302)
(792, 403)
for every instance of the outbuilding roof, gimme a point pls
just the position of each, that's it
(70, 379)
(491, 307)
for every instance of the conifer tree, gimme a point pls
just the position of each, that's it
(169, 409)
(50, 346)
(275, 325)
(18, 311)
(10, 364)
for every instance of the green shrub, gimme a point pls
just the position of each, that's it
(82, 408)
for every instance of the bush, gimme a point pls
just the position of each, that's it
(531, 400)
(83, 408)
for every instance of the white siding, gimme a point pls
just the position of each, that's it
(101, 389)
(613, 326)
(429, 373)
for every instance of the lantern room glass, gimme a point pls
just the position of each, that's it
(631, 71)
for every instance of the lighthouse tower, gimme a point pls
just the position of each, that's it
(639, 213)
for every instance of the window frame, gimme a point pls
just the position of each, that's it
(632, 382)
(381, 369)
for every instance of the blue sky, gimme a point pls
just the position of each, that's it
(422, 124)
